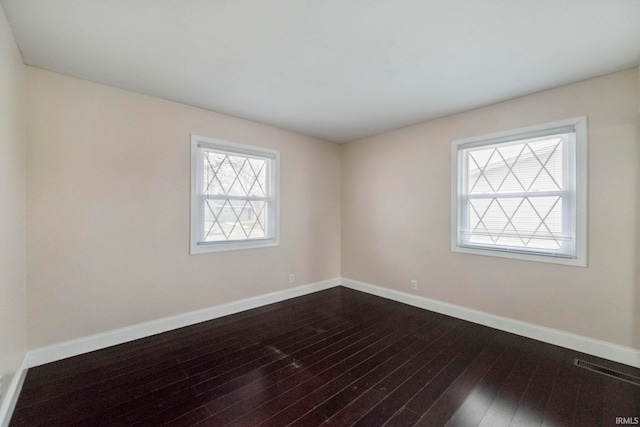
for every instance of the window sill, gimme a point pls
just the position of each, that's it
(575, 262)
(203, 248)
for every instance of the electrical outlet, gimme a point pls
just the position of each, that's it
(292, 278)
(414, 285)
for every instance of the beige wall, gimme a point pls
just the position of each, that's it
(396, 215)
(12, 206)
(108, 213)
(108, 210)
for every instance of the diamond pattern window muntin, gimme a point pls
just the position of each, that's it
(234, 220)
(234, 196)
(229, 174)
(518, 194)
(529, 165)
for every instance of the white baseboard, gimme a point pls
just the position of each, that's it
(617, 353)
(12, 393)
(603, 349)
(75, 347)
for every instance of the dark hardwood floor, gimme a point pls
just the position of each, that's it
(336, 358)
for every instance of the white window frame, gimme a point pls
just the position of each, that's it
(458, 197)
(198, 245)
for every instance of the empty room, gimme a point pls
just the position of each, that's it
(319, 212)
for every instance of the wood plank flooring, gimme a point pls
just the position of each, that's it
(333, 358)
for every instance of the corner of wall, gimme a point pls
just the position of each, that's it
(13, 329)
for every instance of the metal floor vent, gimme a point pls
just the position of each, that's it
(608, 372)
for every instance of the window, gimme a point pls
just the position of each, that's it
(234, 196)
(522, 194)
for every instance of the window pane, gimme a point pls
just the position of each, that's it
(515, 193)
(528, 165)
(230, 181)
(526, 222)
(234, 175)
(234, 220)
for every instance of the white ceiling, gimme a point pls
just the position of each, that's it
(335, 69)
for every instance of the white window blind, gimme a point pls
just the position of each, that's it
(518, 193)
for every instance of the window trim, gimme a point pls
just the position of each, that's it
(579, 124)
(273, 228)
